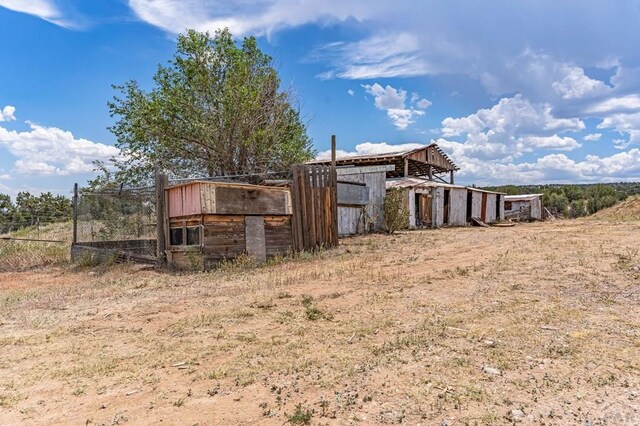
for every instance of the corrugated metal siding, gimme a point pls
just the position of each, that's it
(185, 200)
(536, 208)
(438, 207)
(458, 207)
(476, 204)
(491, 208)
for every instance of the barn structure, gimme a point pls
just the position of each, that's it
(486, 206)
(436, 204)
(524, 207)
(429, 162)
(212, 221)
(362, 187)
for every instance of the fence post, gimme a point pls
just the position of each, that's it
(75, 213)
(161, 184)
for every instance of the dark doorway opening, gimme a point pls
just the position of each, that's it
(445, 218)
(469, 205)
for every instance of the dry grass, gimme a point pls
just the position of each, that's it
(628, 210)
(385, 329)
(26, 255)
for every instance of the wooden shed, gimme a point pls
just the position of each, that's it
(212, 221)
(524, 207)
(487, 206)
(432, 204)
(361, 194)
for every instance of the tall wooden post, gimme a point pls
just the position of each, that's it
(452, 180)
(334, 193)
(161, 184)
(75, 213)
(406, 167)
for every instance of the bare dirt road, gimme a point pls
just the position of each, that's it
(533, 324)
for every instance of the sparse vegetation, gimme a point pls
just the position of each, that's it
(537, 319)
(396, 213)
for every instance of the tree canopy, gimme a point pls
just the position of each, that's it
(216, 109)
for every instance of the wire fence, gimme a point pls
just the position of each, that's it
(123, 220)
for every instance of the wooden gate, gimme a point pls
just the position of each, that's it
(315, 207)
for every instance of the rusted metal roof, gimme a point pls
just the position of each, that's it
(523, 197)
(420, 161)
(413, 182)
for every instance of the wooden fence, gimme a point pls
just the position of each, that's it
(315, 207)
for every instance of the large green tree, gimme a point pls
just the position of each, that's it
(216, 109)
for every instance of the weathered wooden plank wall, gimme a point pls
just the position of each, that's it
(315, 207)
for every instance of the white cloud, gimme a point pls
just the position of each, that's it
(593, 137)
(52, 151)
(371, 148)
(576, 85)
(44, 9)
(385, 55)
(423, 103)
(7, 113)
(351, 92)
(624, 124)
(393, 101)
(547, 169)
(511, 127)
(628, 103)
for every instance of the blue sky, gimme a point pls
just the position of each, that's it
(515, 91)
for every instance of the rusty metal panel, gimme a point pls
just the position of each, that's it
(175, 202)
(191, 201)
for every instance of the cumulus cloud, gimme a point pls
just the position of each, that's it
(511, 127)
(593, 137)
(394, 101)
(350, 92)
(552, 168)
(576, 85)
(53, 151)
(7, 113)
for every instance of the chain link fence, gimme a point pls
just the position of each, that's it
(116, 225)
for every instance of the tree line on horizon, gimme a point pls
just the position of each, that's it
(575, 200)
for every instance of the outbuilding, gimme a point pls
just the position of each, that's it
(524, 207)
(212, 221)
(432, 204)
(483, 205)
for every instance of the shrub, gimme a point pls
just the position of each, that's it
(396, 213)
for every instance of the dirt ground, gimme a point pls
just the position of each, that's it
(533, 324)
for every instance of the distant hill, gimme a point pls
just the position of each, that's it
(626, 210)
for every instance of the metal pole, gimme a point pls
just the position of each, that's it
(75, 213)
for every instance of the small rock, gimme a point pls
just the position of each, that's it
(489, 343)
(93, 273)
(517, 414)
(491, 370)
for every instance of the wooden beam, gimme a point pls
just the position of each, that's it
(406, 167)
(452, 179)
(161, 222)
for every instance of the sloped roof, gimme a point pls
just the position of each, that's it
(420, 160)
(413, 182)
(523, 197)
